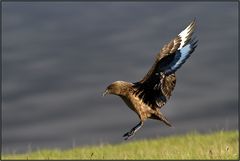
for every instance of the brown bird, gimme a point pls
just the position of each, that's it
(147, 96)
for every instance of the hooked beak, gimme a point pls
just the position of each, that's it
(105, 93)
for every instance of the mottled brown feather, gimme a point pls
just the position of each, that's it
(168, 85)
(168, 49)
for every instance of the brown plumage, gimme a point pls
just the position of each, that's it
(150, 94)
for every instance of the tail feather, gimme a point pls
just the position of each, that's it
(164, 119)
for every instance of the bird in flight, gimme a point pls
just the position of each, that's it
(150, 94)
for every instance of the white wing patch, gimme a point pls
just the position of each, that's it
(185, 34)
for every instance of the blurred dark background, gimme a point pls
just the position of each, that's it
(59, 57)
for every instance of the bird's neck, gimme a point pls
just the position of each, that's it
(123, 89)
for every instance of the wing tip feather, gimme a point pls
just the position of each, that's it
(186, 34)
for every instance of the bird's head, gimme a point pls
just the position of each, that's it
(115, 88)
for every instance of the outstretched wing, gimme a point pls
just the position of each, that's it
(156, 87)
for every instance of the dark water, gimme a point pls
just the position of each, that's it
(59, 57)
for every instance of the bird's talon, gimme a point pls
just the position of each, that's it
(125, 134)
(126, 138)
(128, 135)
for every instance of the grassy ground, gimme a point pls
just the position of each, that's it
(218, 145)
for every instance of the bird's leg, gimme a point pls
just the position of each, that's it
(133, 131)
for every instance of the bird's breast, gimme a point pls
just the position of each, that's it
(129, 103)
(138, 106)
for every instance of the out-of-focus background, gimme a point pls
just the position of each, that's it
(59, 57)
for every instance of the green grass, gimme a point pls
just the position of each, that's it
(217, 145)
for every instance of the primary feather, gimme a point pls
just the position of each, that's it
(180, 57)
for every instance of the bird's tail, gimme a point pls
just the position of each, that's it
(164, 119)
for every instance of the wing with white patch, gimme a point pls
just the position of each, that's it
(179, 58)
(186, 34)
(173, 52)
(156, 87)
(173, 56)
